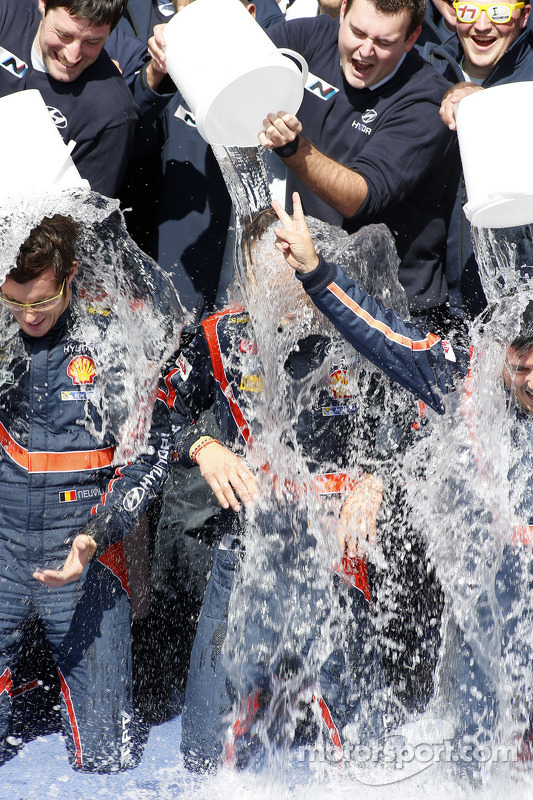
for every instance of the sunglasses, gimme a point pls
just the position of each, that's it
(499, 13)
(42, 305)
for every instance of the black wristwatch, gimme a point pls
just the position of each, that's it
(287, 150)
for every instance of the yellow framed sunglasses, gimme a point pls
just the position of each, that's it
(498, 13)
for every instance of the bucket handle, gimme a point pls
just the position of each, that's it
(299, 58)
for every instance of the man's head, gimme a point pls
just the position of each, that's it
(374, 35)
(72, 33)
(37, 290)
(484, 37)
(518, 371)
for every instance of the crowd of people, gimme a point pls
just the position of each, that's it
(128, 508)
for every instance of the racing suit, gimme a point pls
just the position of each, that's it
(492, 642)
(221, 368)
(58, 478)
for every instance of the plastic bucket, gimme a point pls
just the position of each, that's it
(229, 72)
(33, 156)
(499, 181)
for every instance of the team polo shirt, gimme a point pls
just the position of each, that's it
(394, 138)
(96, 110)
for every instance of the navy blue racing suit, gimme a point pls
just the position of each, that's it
(221, 368)
(430, 368)
(58, 478)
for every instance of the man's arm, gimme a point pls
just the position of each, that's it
(422, 363)
(340, 187)
(190, 389)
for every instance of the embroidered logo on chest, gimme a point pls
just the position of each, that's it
(82, 370)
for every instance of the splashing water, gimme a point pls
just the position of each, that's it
(475, 505)
(115, 282)
(476, 492)
(288, 618)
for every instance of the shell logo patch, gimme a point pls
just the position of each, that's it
(338, 384)
(82, 370)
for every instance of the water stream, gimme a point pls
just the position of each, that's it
(450, 529)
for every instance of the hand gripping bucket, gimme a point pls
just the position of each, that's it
(33, 156)
(229, 72)
(498, 174)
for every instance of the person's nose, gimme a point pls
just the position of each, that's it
(366, 48)
(482, 23)
(29, 314)
(72, 52)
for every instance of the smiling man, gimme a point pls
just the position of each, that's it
(56, 46)
(366, 145)
(493, 46)
(59, 467)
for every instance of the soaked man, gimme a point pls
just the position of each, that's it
(64, 499)
(492, 642)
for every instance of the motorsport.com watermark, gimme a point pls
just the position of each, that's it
(402, 756)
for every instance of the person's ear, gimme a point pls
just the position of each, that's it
(410, 41)
(72, 272)
(251, 9)
(526, 11)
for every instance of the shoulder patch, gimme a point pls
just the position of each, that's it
(320, 87)
(185, 116)
(12, 64)
(183, 366)
(448, 350)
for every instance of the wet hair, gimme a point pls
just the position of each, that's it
(97, 12)
(416, 8)
(524, 341)
(50, 244)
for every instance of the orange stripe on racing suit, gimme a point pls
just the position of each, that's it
(6, 684)
(72, 718)
(210, 329)
(412, 344)
(76, 461)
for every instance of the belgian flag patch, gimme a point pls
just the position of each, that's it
(67, 497)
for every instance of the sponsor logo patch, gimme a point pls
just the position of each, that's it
(6, 377)
(239, 318)
(320, 87)
(338, 384)
(184, 367)
(76, 396)
(59, 120)
(12, 64)
(338, 411)
(248, 346)
(102, 312)
(369, 116)
(133, 499)
(82, 370)
(251, 383)
(185, 116)
(448, 350)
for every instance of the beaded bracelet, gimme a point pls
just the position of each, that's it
(199, 444)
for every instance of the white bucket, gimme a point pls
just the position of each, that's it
(229, 72)
(33, 156)
(498, 171)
